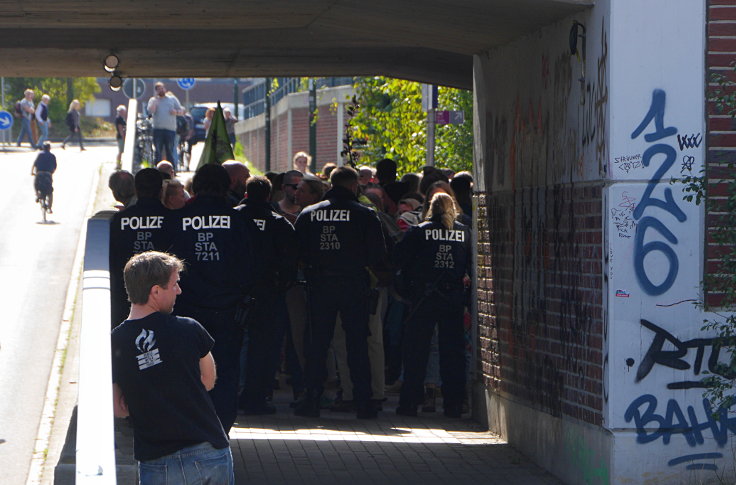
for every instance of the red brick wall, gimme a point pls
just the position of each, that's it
(540, 298)
(721, 128)
(280, 156)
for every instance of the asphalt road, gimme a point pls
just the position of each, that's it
(35, 266)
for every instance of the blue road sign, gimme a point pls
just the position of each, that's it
(140, 88)
(6, 120)
(186, 83)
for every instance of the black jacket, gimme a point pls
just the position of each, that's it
(339, 234)
(274, 244)
(212, 239)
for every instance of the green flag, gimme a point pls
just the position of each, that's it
(217, 146)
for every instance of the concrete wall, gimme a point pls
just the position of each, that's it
(589, 259)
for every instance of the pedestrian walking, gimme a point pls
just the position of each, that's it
(73, 119)
(42, 120)
(27, 111)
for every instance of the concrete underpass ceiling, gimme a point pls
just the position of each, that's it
(422, 40)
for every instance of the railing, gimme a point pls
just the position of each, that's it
(253, 96)
(95, 458)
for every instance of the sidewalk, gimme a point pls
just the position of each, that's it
(338, 449)
(334, 449)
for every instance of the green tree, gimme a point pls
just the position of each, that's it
(454, 143)
(83, 89)
(716, 188)
(391, 124)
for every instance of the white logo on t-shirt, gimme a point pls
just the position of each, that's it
(149, 356)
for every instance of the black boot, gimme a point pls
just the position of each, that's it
(365, 410)
(308, 407)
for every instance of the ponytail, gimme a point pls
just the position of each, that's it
(442, 210)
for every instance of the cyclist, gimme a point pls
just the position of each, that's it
(43, 169)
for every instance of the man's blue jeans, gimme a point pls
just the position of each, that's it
(163, 141)
(195, 464)
(44, 129)
(25, 129)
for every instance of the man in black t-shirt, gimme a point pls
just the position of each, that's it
(162, 368)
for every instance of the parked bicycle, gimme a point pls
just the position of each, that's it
(143, 154)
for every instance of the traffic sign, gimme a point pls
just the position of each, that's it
(6, 120)
(140, 88)
(186, 83)
(449, 117)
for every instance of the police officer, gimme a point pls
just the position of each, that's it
(211, 238)
(338, 240)
(434, 257)
(144, 226)
(274, 241)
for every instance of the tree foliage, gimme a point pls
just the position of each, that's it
(721, 282)
(391, 124)
(82, 89)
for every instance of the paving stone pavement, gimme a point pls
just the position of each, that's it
(338, 449)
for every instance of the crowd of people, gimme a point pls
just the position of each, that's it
(348, 275)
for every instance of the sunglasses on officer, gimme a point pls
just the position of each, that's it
(293, 186)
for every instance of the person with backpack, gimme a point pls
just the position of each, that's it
(25, 109)
(75, 129)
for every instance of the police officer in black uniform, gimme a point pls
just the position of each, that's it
(434, 258)
(144, 226)
(211, 237)
(274, 241)
(338, 240)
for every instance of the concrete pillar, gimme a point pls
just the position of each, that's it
(591, 348)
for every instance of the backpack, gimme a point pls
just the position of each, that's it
(18, 109)
(182, 126)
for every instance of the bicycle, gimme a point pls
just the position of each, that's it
(143, 154)
(44, 193)
(185, 155)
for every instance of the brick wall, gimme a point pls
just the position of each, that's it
(280, 155)
(540, 298)
(721, 128)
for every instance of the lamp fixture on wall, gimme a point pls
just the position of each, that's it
(115, 82)
(111, 62)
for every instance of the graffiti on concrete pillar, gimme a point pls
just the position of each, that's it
(648, 220)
